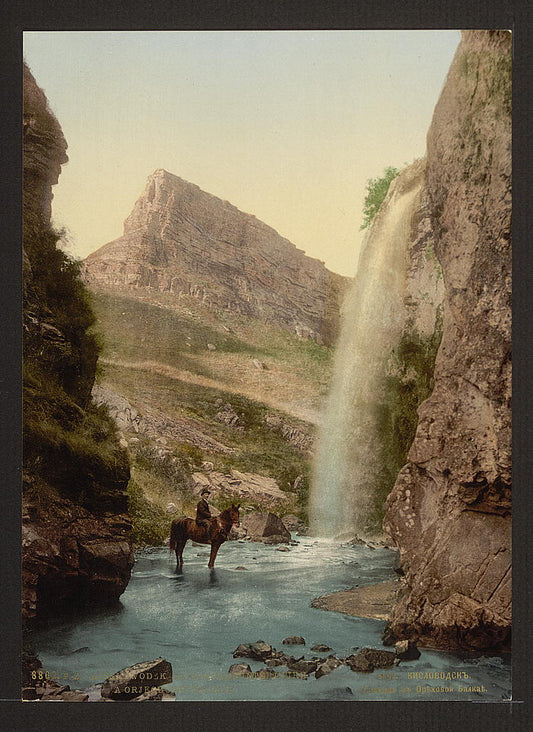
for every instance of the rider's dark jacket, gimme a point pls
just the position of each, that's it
(203, 514)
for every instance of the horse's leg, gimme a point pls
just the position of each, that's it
(214, 550)
(179, 552)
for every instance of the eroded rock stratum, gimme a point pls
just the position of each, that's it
(450, 509)
(182, 240)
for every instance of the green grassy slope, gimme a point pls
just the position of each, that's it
(156, 355)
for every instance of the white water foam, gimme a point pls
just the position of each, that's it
(347, 462)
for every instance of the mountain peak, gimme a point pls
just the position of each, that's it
(184, 240)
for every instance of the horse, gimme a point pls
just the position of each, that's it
(185, 528)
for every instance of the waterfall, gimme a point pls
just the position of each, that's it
(347, 461)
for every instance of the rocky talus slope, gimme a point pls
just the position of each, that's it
(450, 509)
(75, 529)
(183, 240)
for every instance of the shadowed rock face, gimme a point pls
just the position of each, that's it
(182, 240)
(450, 509)
(75, 534)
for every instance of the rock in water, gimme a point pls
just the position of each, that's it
(406, 650)
(359, 663)
(240, 669)
(259, 651)
(265, 526)
(185, 241)
(450, 509)
(326, 667)
(138, 679)
(294, 640)
(265, 673)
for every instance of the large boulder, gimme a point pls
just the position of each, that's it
(138, 679)
(265, 527)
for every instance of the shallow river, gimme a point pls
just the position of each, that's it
(197, 619)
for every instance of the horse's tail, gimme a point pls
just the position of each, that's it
(174, 534)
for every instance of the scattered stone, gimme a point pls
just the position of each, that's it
(266, 673)
(243, 650)
(367, 659)
(294, 640)
(211, 347)
(240, 669)
(283, 659)
(406, 650)
(326, 667)
(283, 549)
(245, 569)
(359, 663)
(171, 508)
(303, 666)
(138, 679)
(259, 651)
(275, 662)
(321, 648)
(379, 658)
(258, 364)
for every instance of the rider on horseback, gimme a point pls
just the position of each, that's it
(203, 513)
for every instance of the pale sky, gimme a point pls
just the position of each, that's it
(286, 125)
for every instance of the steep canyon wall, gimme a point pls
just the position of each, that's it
(75, 532)
(450, 510)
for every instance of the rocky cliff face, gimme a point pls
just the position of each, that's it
(75, 524)
(450, 510)
(182, 240)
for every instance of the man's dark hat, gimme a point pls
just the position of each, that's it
(205, 490)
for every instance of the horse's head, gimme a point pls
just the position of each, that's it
(230, 516)
(234, 514)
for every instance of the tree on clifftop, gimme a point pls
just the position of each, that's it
(376, 190)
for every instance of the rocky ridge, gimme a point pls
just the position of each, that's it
(183, 240)
(450, 509)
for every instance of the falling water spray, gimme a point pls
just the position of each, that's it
(348, 458)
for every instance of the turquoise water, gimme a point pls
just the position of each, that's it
(196, 620)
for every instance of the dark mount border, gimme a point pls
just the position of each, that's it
(262, 15)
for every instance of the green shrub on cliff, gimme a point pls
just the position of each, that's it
(67, 439)
(151, 523)
(409, 383)
(376, 190)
